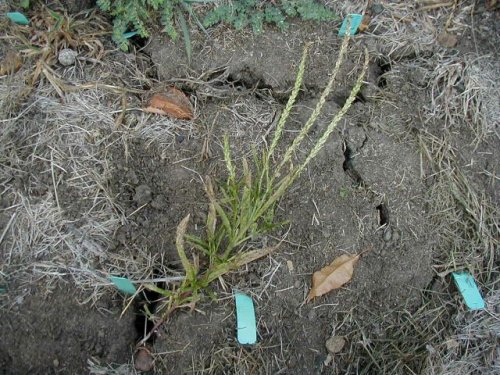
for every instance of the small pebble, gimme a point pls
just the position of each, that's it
(55, 362)
(67, 56)
(335, 344)
(387, 234)
(143, 360)
(180, 138)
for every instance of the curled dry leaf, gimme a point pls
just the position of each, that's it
(365, 23)
(173, 102)
(332, 276)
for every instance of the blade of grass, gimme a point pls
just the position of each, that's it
(185, 34)
(179, 243)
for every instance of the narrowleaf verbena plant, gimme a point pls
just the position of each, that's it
(255, 13)
(140, 15)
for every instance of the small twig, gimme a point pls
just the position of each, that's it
(137, 210)
(54, 178)
(7, 227)
(121, 115)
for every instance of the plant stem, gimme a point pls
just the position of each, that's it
(314, 115)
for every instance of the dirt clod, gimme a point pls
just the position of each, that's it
(335, 344)
(143, 195)
(447, 40)
(143, 360)
(387, 234)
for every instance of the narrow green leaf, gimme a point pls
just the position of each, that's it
(193, 14)
(158, 290)
(179, 243)
(224, 218)
(185, 34)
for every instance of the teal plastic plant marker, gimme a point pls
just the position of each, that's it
(245, 319)
(355, 20)
(130, 34)
(468, 288)
(123, 284)
(18, 18)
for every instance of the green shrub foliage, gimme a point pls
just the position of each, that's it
(139, 15)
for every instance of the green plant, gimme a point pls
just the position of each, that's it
(344, 192)
(137, 15)
(255, 13)
(246, 204)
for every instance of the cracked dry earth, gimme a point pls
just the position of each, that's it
(363, 193)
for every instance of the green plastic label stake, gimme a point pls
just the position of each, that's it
(123, 284)
(468, 288)
(354, 20)
(18, 18)
(245, 319)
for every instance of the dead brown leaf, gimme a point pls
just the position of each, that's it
(173, 102)
(365, 23)
(332, 276)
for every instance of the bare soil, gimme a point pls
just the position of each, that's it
(47, 332)
(368, 190)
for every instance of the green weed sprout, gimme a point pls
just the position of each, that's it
(246, 204)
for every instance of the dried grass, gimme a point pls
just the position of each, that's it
(55, 170)
(473, 347)
(441, 336)
(48, 148)
(465, 91)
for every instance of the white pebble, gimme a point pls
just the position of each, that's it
(67, 56)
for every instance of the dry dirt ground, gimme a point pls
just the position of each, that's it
(92, 186)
